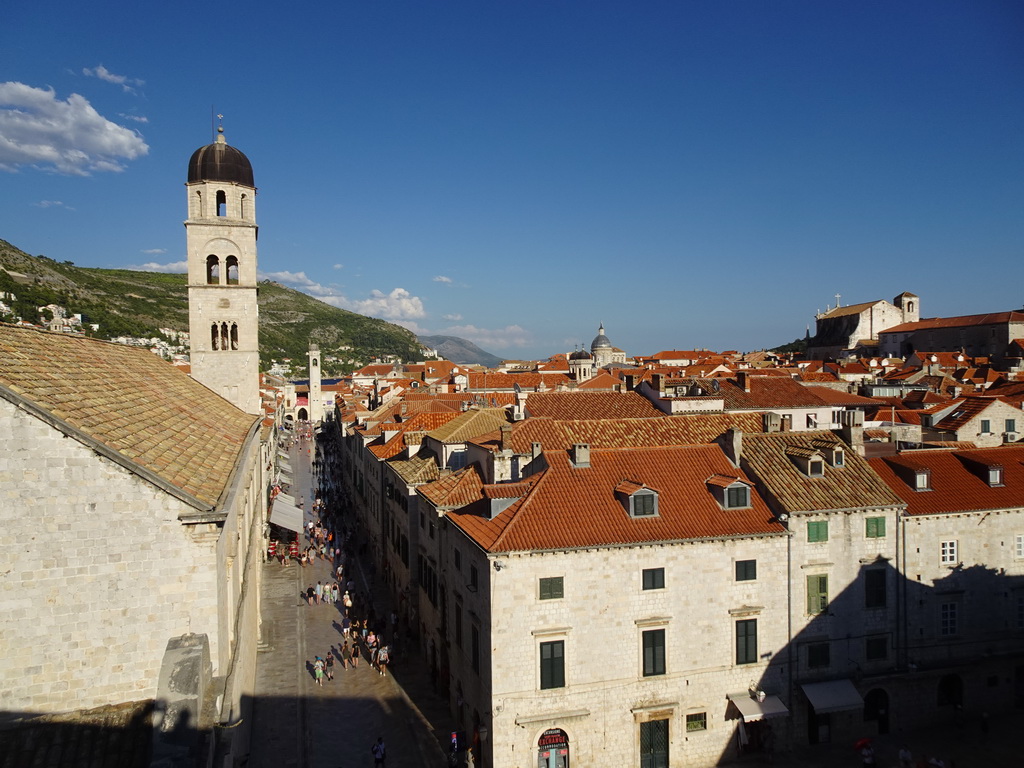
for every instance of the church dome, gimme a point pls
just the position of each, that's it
(220, 162)
(600, 341)
(580, 354)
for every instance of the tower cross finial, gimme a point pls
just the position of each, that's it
(838, 297)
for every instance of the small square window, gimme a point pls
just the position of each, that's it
(551, 588)
(817, 530)
(654, 578)
(923, 480)
(876, 648)
(816, 468)
(697, 722)
(874, 527)
(746, 570)
(737, 497)
(644, 504)
(986, 426)
(818, 655)
(948, 553)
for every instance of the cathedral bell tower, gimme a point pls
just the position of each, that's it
(220, 233)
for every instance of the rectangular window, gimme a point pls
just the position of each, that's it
(697, 722)
(817, 530)
(947, 552)
(986, 426)
(746, 641)
(643, 504)
(1020, 611)
(817, 594)
(552, 664)
(875, 589)
(1011, 425)
(948, 618)
(874, 527)
(654, 652)
(457, 557)
(876, 648)
(1018, 546)
(812, 421)
(475, 650)
(458, 623)
(474, 578)
(737, 498)
(818, 655)
(654, 578)
(746, 570)
(654, 744)
(923, 480)
(551, 588)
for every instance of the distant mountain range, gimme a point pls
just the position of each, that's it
(459, 350)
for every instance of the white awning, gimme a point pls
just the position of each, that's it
(284, 477)
(833, 696)
(753, 710)
(286, 516)
(284, 466)
(289, 500)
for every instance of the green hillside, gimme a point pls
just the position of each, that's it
(127, 303)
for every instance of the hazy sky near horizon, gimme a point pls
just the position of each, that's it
(691, 174)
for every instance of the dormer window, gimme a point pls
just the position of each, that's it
(737, 497)
(808, 460)
(995, 475)
(638, 499)
(922, 480)
(838, 458)
(816, 467)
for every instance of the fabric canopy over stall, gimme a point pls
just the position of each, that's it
(286, 515)
(753, 710)
(833, 696)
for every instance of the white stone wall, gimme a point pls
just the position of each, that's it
(601, 618)
(96, 574)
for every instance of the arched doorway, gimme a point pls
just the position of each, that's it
(302, 415)
(876, 707)
(553, 749)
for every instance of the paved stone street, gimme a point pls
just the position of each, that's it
(297, 723)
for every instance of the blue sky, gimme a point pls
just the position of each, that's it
(691, 174)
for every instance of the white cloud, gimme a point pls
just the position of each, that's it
(452, 318)
(442, 279)
(175, 267)
(339, 266)
(52, 204)
(135, 118)
(509, 336)
(154, 251)
(106, 75)
(397, 305)
(71, 137)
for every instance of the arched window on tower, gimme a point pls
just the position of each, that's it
(212, 270)
(225, 343)
(245, 207)
(222, 203)
(910, 306)
(234, 335)
(231, 263)
(198, 213)
(214, 337)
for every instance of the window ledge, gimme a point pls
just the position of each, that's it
(553, 631)
(653, 621)
(746, 610)
(552, 717)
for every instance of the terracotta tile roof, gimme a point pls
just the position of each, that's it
(852, 309)
(419, 469)
(603, 381)
(527, 382)
(992, 318)
(818, 376)
(1011, 392)
(455, 490)
(565, 507)
(766, 392)
(958, 478)
(851, 486)
(963, 410)
(591, 405)
(469, 425)
(131, 401)
(836, 397)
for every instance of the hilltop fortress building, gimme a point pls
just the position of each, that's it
(854, 329)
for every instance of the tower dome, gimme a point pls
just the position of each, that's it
(580, 354)
(600, 341)
(220, 162)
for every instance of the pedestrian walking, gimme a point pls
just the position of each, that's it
(383, 657)
(379, 752)
(329, 664)
(346, 656)
(355, 655)
(319, 592)
(310, 594)
(318, 671)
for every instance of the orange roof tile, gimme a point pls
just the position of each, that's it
(591, 405)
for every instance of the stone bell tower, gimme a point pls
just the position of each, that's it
(220, 233)
(316, 398)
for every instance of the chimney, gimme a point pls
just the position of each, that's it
(535, 450)
(743, 379)
(506, 438)
(852, 430)
(580, 455)
(733, 445)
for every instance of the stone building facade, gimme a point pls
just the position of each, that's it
(855, 329)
